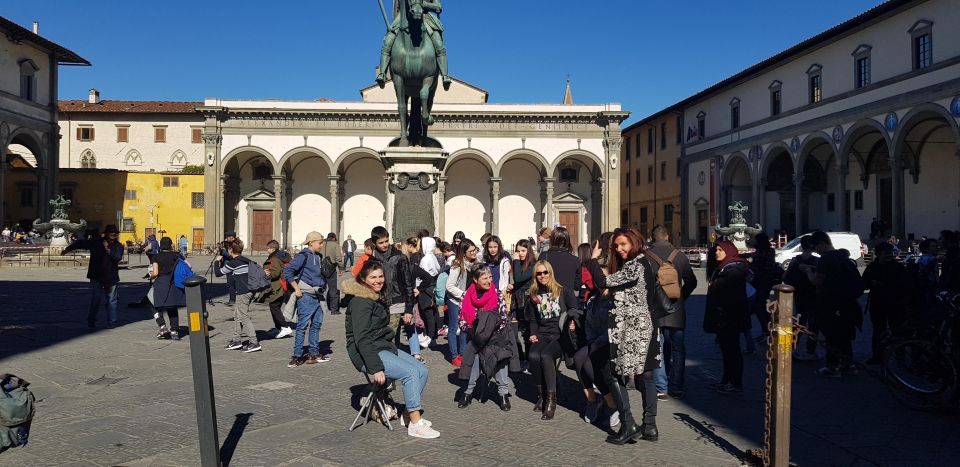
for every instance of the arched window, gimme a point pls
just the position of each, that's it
(88, 160)
(178, 159)
(28, 79)
(133, 158)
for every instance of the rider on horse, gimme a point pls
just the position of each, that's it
(431, 22)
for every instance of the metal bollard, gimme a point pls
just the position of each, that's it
(782, 378)
(202, 373)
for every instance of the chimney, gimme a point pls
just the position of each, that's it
(36, 27)
(94, 97)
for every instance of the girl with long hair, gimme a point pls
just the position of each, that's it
(524, 257)
(463, 264)
(634, 346)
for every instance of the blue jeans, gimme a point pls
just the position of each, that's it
(673, 354)
(97, 294)
(410, 372)
(413, 338)
(309, 315)
(457, 342)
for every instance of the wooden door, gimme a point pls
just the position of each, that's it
(571, 220)
(148, 231)
(197, 238)
(262, 230)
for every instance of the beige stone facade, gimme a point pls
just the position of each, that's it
(650, 180)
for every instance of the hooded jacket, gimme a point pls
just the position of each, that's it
(273, 266)
(367, 326)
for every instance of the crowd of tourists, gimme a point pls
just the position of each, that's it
(612, 310)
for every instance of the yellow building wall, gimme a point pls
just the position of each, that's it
(98, 194)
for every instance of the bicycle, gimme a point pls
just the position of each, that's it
(923, 372)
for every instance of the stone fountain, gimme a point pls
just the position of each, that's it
(738, 231)
(58, 227)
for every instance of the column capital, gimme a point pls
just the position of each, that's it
(211, 139)
(496, 179)
(333, 178)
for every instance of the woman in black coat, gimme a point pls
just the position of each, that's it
(728, 314)
(167, 298)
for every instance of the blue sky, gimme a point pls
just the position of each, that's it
(644, 54)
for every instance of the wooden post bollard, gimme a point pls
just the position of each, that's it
(782, 378)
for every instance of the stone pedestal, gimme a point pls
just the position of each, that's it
(413, 199)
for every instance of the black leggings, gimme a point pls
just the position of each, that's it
(732, 358)
(543, 359)
(174, 315)
(587, 363)
(648, 394)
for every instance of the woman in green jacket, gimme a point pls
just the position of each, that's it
(371, 348)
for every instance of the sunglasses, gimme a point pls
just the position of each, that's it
(543, 273)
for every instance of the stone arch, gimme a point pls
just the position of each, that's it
(809, 144)
(773, 148)
(577, 152)
(254, 149)
(133, 158)
(472, 154)
(350, 156)
(917, 115)
(729, 163)
(178, 158)
(28, 138)
(733, 187)
(533, 157)
(301, 150)
(856, 131)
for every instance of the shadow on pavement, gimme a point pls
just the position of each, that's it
(233, 438)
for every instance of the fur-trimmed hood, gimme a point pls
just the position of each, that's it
(356, 289)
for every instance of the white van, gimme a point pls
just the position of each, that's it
(846, 240)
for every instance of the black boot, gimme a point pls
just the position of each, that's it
(505, 402)
(464, 401)
(628, 432)
(649, 432)
(538, 405)
(549, 406)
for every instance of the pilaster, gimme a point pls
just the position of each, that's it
(495, 205)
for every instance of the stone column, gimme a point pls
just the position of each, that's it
(387, 179)
(548, 207)
(441, 206)
(760, 202)
(334, 204)
(896, 172)
(278, 211)
(288, 239)
(611, 186)
(799, 205)
(43, 194)
(221, 220)
(213, 183)
(495, 205)
(596, 205)
(842, 169)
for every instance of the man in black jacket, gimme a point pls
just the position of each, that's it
(669, 377)
(398, 281)
(103, 272)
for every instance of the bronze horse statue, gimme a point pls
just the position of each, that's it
(413, 63)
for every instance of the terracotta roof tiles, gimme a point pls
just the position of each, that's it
(130, 106)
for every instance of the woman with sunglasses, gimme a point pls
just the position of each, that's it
(549, 305)
(458, 281)
(634, 346)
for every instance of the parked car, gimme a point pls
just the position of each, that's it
(846, 240)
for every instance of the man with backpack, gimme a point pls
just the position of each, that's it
(103, 272)
(840, 286)
(277, 260)
(332, 259)
(676, 277)
(239, 268)
(305, 276)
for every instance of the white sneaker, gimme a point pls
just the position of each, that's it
(425, 341)
(284, 332)
(421, 430)
(405, 420)
(614, 418)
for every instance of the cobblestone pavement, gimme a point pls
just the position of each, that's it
(121, 397)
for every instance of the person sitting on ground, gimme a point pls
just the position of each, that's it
(238, 266)
(371, 348)
(276, 297)
(549, 302)
(490, 346)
